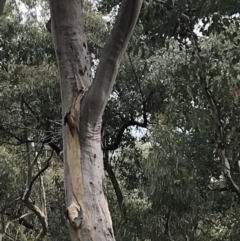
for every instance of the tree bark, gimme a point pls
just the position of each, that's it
(87, 209)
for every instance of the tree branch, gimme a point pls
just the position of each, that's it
(127, 123)
(219, 127)
(97, 96)
(55, 147)
(25, 223)
(120, 132)
(41, 217)
(30, 170)
(20, 140)
(115, 183)
(40, 172)
(48, 25)
(136, 76)
(167, 230)
(221, 189)
(48, 139)
(26, 197)
(30, 109)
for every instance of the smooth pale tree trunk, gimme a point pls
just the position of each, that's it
(83, 104)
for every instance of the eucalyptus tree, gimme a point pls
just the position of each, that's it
(87, 209)
(193, 185)
(167, 85)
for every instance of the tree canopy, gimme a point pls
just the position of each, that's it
(170, 129)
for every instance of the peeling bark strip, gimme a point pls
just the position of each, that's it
(72, 118)
(87, 208)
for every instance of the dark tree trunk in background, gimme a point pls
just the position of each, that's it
(2, 3)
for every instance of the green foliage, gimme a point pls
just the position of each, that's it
(170, 174)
